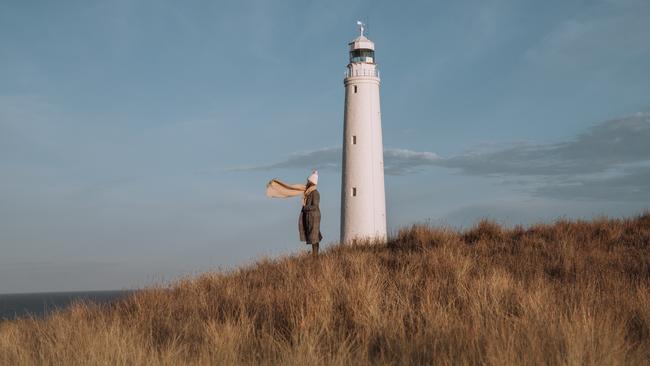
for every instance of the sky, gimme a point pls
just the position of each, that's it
(136, 137)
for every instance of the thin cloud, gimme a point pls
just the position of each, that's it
(323, 159)
(577, 43)
(396, 161)
(603, 147)
(633, 185)
(610, 161)
(403, 162)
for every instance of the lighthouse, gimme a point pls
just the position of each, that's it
(363, 200)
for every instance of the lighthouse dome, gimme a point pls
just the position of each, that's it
(362, 50)
(362, 43)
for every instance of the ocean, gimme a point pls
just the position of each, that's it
(40, 304)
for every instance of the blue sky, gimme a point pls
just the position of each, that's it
(136, 137)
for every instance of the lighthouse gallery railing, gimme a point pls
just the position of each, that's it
(349, 73)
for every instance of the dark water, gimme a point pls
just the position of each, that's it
(40, 304)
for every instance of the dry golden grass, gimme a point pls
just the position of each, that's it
(573, 293)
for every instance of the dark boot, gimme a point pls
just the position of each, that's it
(314, 250)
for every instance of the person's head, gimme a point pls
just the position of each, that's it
(312, 180)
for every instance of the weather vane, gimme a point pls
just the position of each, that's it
(361, 26)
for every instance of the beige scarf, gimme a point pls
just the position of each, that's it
(278, 189)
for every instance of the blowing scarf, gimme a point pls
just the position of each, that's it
(276, 188)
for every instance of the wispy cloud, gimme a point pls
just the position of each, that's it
(578, 42)
(610, 161)
(603, 147)
(396, 161)
(632, 185)
(402, 161)
(323, 159)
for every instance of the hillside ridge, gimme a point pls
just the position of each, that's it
(568, 292)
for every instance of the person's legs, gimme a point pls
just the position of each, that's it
(314, 249)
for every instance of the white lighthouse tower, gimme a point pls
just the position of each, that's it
(363, 201)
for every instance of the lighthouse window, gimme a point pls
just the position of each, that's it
(362, 56)
(354, 191)
(354, 139)
(355, 88)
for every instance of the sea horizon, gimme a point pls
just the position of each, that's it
(40, 304)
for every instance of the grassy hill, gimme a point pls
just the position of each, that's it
(564, 293)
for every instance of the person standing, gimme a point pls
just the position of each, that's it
(309, 221)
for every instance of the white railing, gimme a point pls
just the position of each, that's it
(349, 73)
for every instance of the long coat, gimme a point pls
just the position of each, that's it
(309, 221)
